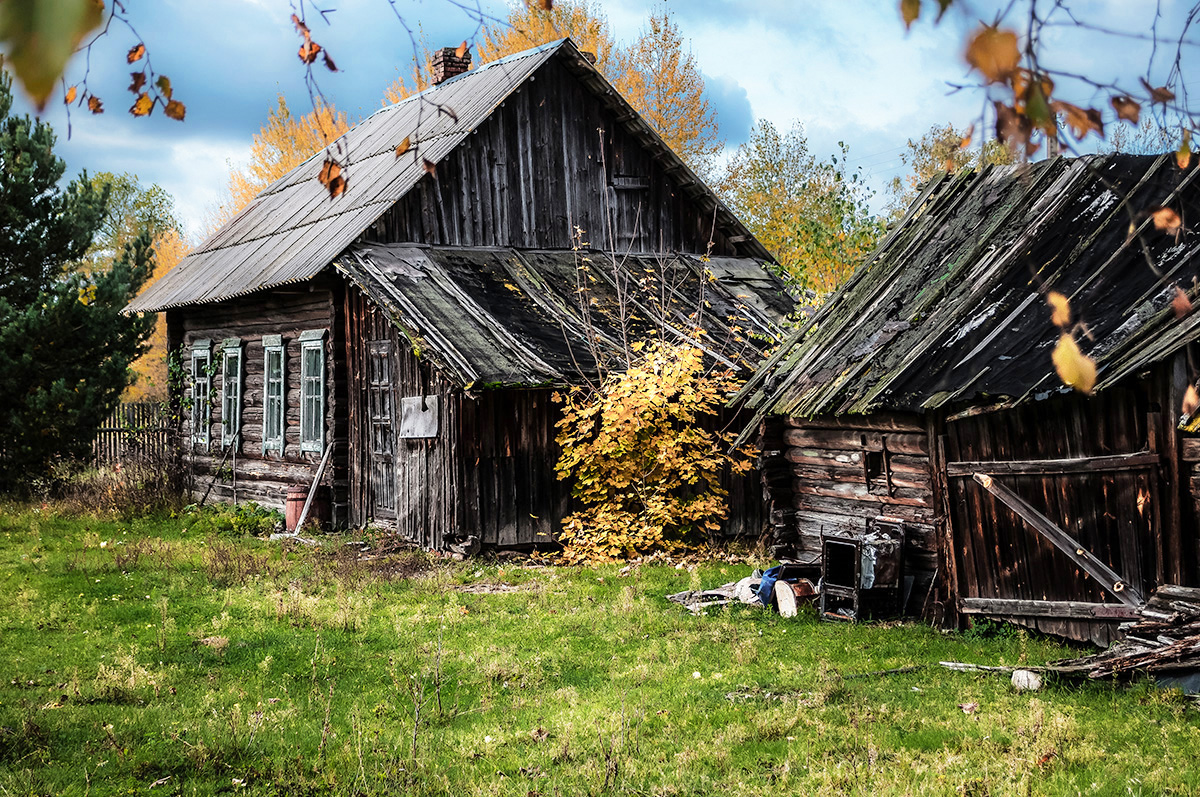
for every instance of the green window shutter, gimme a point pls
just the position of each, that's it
(201, 392)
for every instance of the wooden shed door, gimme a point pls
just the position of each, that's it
(381, 406)
(1086, 469)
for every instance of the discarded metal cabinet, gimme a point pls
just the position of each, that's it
(861, 576)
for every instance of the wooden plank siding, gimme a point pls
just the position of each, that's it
(1109, 509)
(427, 481)
(265, 477)
(830, 490)
(526, 179)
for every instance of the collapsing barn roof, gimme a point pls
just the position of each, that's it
(294, 229)
(507, 317)
(951, 307)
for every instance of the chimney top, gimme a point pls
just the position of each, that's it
(447, 64)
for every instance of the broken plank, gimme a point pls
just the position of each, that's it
(1043, 466)
(1032, 608)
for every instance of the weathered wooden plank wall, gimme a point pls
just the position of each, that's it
(839, 472)
(510, 494)
(425, 470)
(260, 477)
(534, 171)
(1113, 513)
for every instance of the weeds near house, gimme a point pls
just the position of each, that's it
(207, 663)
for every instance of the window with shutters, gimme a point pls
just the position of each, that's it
(274, 393)
(312, 390)
(201, 389)
(231, 391)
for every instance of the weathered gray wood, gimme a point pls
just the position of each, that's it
(881, 421)
(851, 440)
(312, 490)
(1104, 575)
(1009, 607)
(1119, 462)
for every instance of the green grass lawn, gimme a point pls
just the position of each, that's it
(154, 657)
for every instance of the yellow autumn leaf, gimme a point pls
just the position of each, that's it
(1191, 400)
(1074, 368)
(994, 53)
(1061, 316)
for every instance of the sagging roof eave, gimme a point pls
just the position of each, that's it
(1139, 332)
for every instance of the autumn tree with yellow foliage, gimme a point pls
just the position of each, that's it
(662, 81)
(150, 383)
(812, 215)
(281, 145)
(942, 148)
(659, 78)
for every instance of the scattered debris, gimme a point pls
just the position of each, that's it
(1164, 643)
(1026, 681)
(782, 587)
(484, 588)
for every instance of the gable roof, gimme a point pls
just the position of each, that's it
(293, 229)
(950, 308)
(513, 317)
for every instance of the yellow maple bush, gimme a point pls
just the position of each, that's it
(641, 459)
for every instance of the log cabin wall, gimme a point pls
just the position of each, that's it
(850, 469)
(399, 479)
(534, 171)
(255, 475)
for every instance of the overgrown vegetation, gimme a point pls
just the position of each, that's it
(65, 347)
(146, 657)
(642, 457)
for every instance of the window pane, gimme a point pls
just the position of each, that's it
(312, 397)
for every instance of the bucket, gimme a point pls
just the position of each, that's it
(318, 513)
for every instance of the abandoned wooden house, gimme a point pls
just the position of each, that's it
(924, 390)
(492, 232)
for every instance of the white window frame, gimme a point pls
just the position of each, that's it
(201, 391)
(312, 391)
(231, 391)
(274, 392)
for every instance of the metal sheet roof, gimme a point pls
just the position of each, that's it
(293, 229)
(492, 317)
(951, 307)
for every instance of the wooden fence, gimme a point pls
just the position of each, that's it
(135, 432)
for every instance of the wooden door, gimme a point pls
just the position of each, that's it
(381, 408)
(1059, 530)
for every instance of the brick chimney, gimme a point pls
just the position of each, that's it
(447, 64)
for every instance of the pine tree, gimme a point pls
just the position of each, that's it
(65, 347)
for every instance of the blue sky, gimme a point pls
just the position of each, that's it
(845, 69)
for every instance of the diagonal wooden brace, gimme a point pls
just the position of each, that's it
(1119, 587)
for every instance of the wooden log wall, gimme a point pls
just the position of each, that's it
(427, 481)
(253, 475)
(534, 171)
(840, 471)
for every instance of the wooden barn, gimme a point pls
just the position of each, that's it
(413, 329)
(924, 390)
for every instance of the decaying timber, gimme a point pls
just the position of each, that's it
(932, 363)
(1164, 641)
